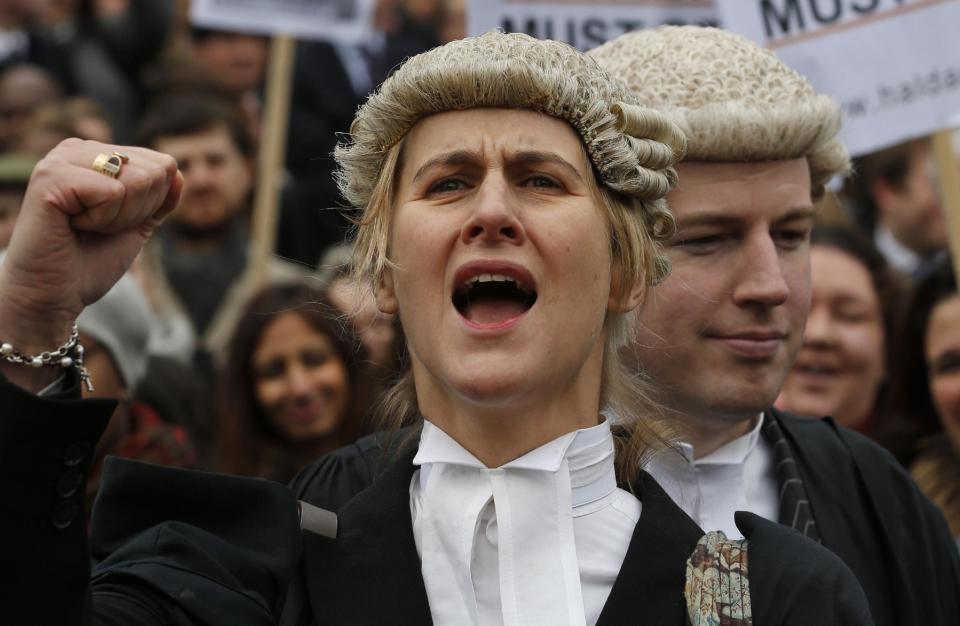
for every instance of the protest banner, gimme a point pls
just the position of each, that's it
(340, 20)
(893, 65)
(584, 24)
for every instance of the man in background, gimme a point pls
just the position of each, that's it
(199, 261)
(899, 203)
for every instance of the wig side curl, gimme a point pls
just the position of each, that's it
(734, 101)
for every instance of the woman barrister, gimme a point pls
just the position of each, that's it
(512, 199)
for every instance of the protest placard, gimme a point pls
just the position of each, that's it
(345, 21)
(581, 23)
(893, 65)
(339, 20)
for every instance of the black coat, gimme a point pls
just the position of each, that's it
(179, 547)
(872, 515)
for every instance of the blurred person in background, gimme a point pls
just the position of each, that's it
(198, 261)
(74, 117)
(114, 332)
(898, 202)
(844, 360)
(22, 40)
(109, 43)
(293, 387)
(926, 393)
(15, 170)
(236, 62)
(378, 331)
(23, 88)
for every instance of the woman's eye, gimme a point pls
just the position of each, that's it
(314, 358)
(541, 182)
(947, 364)
(447, 185)
(272, 369)
(852, 317)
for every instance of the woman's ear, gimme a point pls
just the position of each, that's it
(385, 295)
(625, 297)
(626, 300)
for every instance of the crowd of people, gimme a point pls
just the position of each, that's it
(713, 291)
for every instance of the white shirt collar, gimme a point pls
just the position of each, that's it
(588, 452)
(531, 503)
(732, 453)
(897, 254)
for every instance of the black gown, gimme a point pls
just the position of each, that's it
(178, 547)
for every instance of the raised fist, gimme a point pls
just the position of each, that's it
(78, 231)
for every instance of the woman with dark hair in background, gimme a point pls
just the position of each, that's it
(294, 385)
(844, 362)
(925, 397)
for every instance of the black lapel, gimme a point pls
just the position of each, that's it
(371, 573)
(795, 510)
(847, 520)
(649, 587)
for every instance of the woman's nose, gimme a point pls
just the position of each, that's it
(494, 217)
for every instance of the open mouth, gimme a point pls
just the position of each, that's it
(489, 299)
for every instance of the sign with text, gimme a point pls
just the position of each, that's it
(584, 24)
(893, 65)
(331, 20)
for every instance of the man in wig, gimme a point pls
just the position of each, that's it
(718, 336)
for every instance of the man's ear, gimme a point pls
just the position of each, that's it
(885, 197)
(385, 294)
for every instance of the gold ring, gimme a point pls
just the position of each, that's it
(108, 164)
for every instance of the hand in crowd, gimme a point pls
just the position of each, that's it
(78, 232)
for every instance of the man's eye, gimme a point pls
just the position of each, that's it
(447, 185)
(700, 242)
(792, 236)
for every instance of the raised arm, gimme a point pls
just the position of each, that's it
(78, 232)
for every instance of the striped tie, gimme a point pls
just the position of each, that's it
(794, 505)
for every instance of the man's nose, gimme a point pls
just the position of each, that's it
(762, 281)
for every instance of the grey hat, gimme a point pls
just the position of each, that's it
(121, 322)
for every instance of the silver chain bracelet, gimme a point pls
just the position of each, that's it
(70, 354)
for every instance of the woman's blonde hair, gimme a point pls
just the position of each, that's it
(632, 151)
(735, 101)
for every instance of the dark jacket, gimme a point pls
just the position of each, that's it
(872, 515)
(179, 547)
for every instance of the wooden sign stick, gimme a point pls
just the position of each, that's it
(270, 159)
(948, 170)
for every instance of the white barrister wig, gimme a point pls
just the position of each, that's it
(735, 101)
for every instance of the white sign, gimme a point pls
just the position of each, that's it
(339, 20)
(584, 24)
(893, 65)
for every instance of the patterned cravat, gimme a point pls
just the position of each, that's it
(794, 504)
